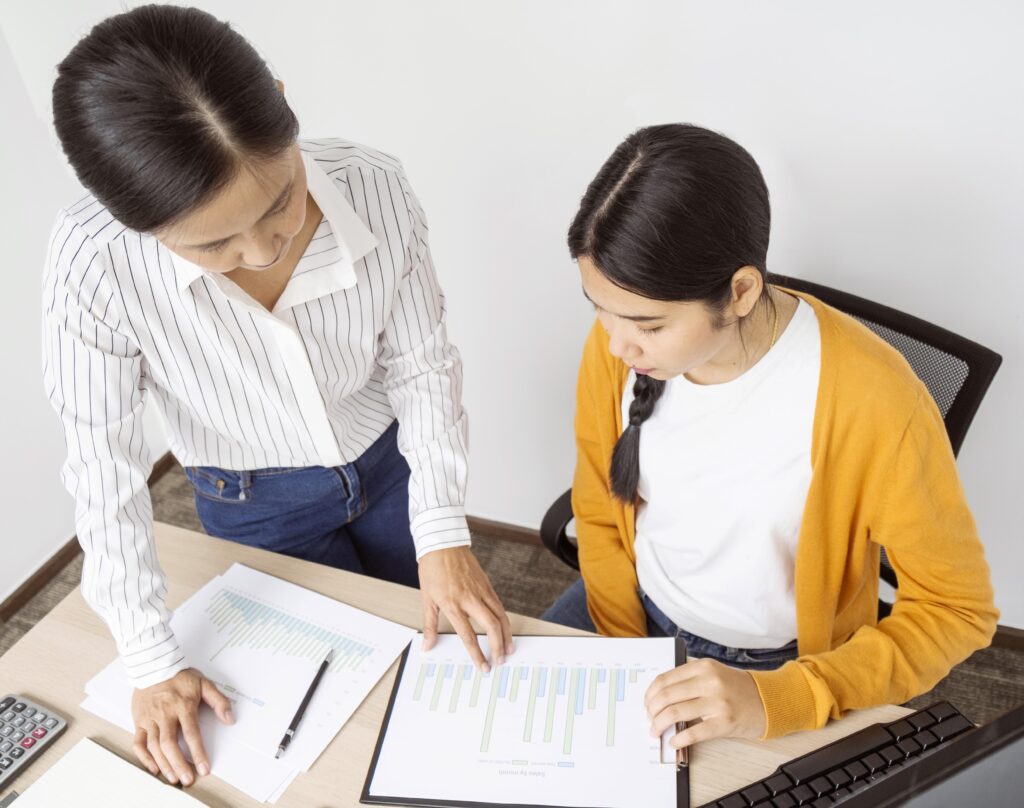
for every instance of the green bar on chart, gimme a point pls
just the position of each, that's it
(454, 702)
(485, 742)
(530, 706)
(549, 723)
(419, 682)
(570, 710)
(438, 687)
(475, 695)
(613, 686)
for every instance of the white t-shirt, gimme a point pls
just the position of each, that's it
(724, 474)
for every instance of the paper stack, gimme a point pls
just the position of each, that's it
(261, 639)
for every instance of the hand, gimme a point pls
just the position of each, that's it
(451, 580)
(159, 710)
(725, 699)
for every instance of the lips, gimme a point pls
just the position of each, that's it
(643, 371)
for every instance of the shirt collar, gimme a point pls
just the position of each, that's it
(353, 237)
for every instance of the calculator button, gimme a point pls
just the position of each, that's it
(51, 723)
(19, 707)
(16, 752)
(7, 731)
(18, 721)
(6, 746)
(39, 732)
(17, 736)
(40, 717)
(6, 703)
(29, 712)
(8, 716)
(6, 763)
(27, 727)
(28, 743)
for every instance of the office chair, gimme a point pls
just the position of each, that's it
(956, 371)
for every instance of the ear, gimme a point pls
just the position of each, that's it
(747, 285)
(280, 86)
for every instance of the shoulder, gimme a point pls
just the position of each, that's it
(358, 170)
(83, 239)
(871, 380)
(88, 218)
(868, 391)
(336, 155)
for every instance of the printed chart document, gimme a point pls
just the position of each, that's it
(562, 723)
(91, 777)
(261, 640)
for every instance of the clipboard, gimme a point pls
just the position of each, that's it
(682, 771)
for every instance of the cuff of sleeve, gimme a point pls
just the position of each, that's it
(153, 663)
(787, 698)
(439, 529)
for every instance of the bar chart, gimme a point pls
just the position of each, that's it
(244, 622)
(561, 722)
(544, 697)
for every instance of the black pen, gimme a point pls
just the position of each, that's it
(305, 703)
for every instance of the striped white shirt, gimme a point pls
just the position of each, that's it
(356, 340)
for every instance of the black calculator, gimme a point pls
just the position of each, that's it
(26, 729)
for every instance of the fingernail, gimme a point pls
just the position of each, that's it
(204, 769)
(186, 779)
(500, 660)
(485, 668)
(510, 648)
(229, 716)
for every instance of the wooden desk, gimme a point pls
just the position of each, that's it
(52, 663)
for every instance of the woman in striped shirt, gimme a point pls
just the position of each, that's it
(277, 299)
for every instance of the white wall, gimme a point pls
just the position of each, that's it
(889, 135)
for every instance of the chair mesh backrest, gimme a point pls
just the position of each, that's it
(942, 373)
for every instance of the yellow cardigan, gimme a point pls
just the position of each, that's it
(883, 475)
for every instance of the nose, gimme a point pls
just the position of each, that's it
(263, 252)
(621, 347)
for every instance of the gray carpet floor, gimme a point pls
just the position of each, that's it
(528, 579)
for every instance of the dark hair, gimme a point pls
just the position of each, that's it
(671, 215)
(158, 108)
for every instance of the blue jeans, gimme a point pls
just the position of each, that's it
(571, 610)
(353, 517)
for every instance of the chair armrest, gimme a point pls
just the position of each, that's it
(552, 531)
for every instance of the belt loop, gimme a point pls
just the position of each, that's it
(244, 484)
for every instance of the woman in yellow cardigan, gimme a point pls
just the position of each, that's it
(743, 454)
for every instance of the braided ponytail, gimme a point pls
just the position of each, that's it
(625, 468)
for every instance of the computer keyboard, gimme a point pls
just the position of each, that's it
(826, 776)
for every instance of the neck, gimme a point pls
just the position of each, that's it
(751, 338)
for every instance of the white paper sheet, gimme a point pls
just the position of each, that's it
(91, 777)
(261, 640)
(265, 638)
(561, 723)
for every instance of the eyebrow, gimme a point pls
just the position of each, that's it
(273, 206)
(636, 318)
